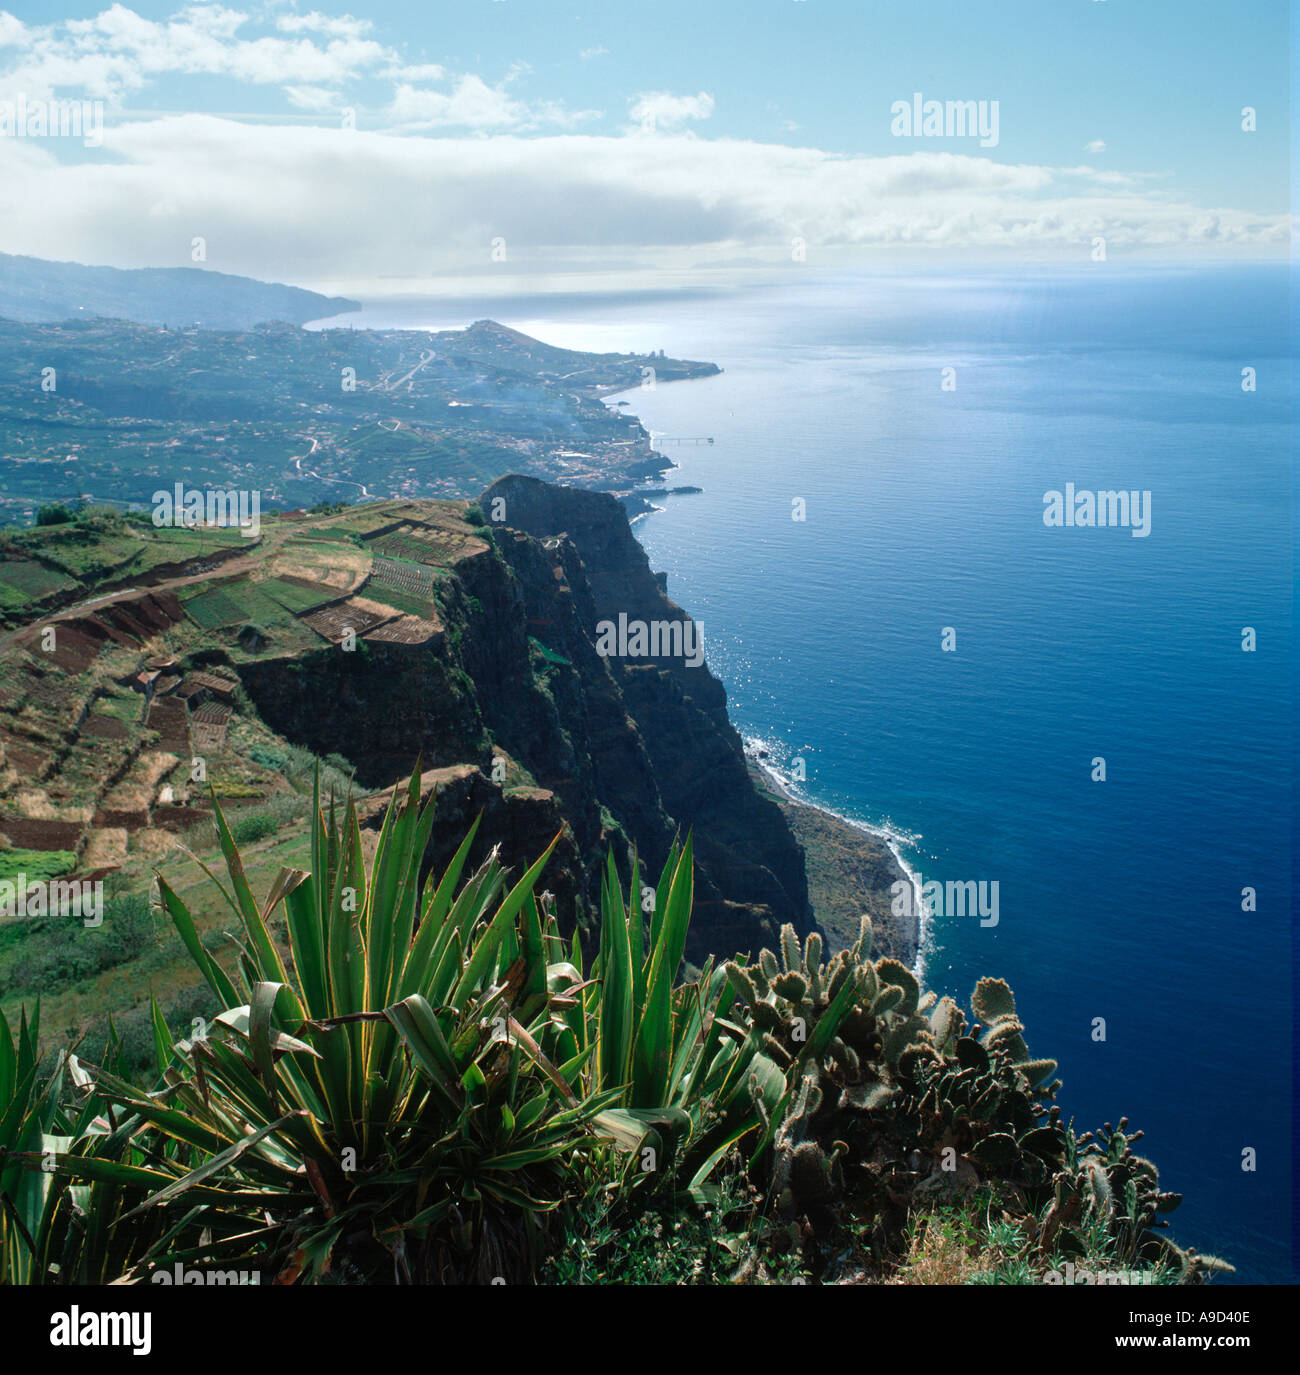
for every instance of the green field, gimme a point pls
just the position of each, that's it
(81, 554)
(124, 706)
(88, 559)
(213, 609)
(36, 864)
(23, 581)
(240, 602)
(411, 603)
(85, 977)
(294, 598)
(329, 535)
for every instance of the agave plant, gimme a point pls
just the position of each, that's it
(53, 1230)
(27, 1111)
(377, 1091)
(408, 1084)
(682, 1071)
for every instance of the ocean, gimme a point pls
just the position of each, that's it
(1120, 908)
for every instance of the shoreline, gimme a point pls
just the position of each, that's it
(918, 936)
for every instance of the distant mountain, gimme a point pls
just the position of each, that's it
(36, 291)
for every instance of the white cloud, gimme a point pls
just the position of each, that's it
(587, 54)
(1098, 145)
(316, 99)
(559, 116)
(118, 53)
(420, 71)
(343, 26)
(660, 111)
(282, 202)
(312, 58)
(472, 104)
(12, 30)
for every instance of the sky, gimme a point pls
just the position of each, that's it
(399, 143)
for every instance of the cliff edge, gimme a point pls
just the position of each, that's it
(663, 753)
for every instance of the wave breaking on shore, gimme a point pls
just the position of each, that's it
(759, 752)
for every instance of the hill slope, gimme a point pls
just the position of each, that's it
(385, 634)
(117, 411)
(34, 290)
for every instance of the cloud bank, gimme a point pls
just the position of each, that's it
(445, 165)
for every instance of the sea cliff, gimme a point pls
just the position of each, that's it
(463, 640)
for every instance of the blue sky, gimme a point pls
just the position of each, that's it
(1162, 82)
(771, 123)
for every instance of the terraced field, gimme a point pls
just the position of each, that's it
(103, 695)
(215, 608)
(296, 594)
(402, 575)
(410, 545)
(23, 582)
(357, 617)
(409, 602)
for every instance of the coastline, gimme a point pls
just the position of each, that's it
(869, 862)
(851, 865)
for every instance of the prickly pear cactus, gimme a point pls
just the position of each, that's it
(804, 1173)
(1106, 1184)
(892, 1096)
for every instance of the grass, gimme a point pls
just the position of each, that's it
(224, 787)
(213, 609)
(293, 598)
(255, 826)
(976, 1242)
(31, 580)
(36, 864)
(239, 602)
(399, 600)
(125, 706)
(94, 547)
(87, 560)
(607, 1240)
(548, 654)
(55, 952)
(85, 1002)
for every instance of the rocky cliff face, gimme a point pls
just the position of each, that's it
(514, 711)
(657, 724)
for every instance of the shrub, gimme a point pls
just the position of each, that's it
(254, 826)
(412, 1123)
(105, 520)
(434, 1086)
(57, 951)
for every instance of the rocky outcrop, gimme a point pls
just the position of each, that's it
(753, 877)
(518, 822)
(516, 713)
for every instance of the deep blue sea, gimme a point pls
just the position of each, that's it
(1118, 900)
